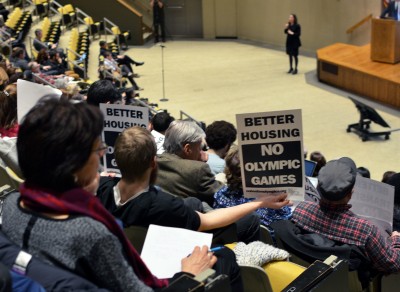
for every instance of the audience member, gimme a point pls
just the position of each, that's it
(8, 112)
(232, 194)
(18, 59)
(56, 217)
(317, 157)
(122, 71)
(333, 219)
(219, 137)
(102, 91)
(182, 171)
(394, 180)
(364, 172)
(157, 126)
(387, 175)
(121, 59)
(39, 45)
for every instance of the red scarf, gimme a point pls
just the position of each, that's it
(80, 202)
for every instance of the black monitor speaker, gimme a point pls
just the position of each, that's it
(367, 115)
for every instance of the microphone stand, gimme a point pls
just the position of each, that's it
(162, 70)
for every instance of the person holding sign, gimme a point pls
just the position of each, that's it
(333, 219)
(232, 194)
(293, 32)
(57, 218)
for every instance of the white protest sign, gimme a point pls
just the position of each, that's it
(374, 201)
(271, 153)
(118, 117)
(28, 95)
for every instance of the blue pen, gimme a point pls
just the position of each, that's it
(214, 249)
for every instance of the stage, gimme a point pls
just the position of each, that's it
(350, 67)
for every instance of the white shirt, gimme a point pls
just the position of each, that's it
(117, 196)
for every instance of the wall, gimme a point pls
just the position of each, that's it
(323, 21)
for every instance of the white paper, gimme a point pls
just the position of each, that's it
(165, 247)
(29, 93)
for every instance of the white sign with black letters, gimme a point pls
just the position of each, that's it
(118, 117)
(271, 153)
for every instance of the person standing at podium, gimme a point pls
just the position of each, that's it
(293, 32)
(392, 10)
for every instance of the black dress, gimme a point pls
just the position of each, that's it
(293, 41)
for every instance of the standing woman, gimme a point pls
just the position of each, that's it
(293, 31)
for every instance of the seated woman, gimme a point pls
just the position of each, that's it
(8, 112)
(232, 194)
(57, 218)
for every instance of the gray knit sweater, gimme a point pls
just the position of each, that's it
(80, 244)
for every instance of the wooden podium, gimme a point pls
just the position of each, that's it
(385, 41)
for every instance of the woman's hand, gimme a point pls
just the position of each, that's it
(275, 201)
(290, 32)
(198, 261)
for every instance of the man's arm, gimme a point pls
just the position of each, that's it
(225, 216)
(384, 254)
(207, 186)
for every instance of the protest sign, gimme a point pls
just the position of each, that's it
(374, 200)
(29, 93)
(118, 117)
(271, 153)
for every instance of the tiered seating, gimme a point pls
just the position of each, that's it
(121, 38)
(41, 7)
(78, 52)
(94, 27)
(68, 14)
(19, 22)
(51, 30)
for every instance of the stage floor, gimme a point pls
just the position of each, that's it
(351, 68)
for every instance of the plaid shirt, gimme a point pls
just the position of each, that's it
(338, 223)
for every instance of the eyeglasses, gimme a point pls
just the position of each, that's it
(102, 149)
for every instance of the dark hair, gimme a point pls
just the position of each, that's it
(17, 52)
(37, 31)
(363, 172)
(387, 175)
(220, 134)
(42, 56)
(232, 169)
(55, 140)
(394, 180)
(106, 54)
(134, 150)
(295, 18)
(102, 91)
(8, 107)
(319, 159)
(161, 121)
(102, 43)
(52, 53)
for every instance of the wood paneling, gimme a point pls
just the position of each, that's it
(357, 73)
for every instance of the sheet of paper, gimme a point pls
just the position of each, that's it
(29, 93)
(165, 247)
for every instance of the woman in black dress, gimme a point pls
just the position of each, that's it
(293, 31)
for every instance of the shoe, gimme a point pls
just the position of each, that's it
(136, 75)
(139, 89)
(294, 71)
(290, 71)
(139, 63)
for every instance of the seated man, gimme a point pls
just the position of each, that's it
(134, 199)
(157, 126)
(182, 171)
(120, 71)
(121, 59)
(219, 137)
(333, 219)
(38, 44)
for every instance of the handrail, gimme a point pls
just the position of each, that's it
(42, 80)
(142, 103)
(144, 7)
(76, 64)
(80, 15)
(129, 7)
(201, 124)
(106, 22)
(358, 24)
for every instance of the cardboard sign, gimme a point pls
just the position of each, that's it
(28, 95)
(118, 117)
(374, 200)
(271, 153)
